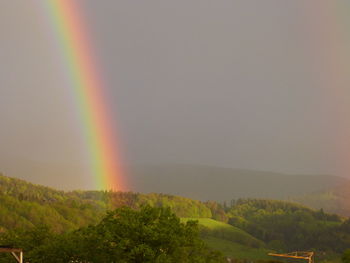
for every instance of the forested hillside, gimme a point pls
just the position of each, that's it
(252, 225)
(23, 204)
(287, 227)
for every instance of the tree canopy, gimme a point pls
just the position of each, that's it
(124, 235)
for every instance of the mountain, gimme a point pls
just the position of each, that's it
(224, 184)
(332, 199)
(193, 181)
(201, 183)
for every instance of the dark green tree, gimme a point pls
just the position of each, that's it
(346, 256)
(126, 235)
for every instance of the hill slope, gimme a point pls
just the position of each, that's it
(23, 204)
(332, 200)
(235, 250)
(231, 241)
(213, 228)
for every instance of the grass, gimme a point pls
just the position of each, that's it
(231, 241)
(236, 250)
(213, 228)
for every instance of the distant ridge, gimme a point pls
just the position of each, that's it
(223, 184)
(198, 182)
(334, 199)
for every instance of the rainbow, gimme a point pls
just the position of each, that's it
(327, 30)
(85, 80)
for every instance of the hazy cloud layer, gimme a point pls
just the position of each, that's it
(225, 83)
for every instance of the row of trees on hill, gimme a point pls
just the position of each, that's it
(287, 227)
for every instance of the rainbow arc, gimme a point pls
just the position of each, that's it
(88, 89)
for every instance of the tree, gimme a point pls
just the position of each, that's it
(346, 256)
(126, 235)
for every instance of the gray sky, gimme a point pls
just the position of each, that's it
(243, 84)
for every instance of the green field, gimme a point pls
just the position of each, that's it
(211, 227)
(231, 241)
(236, 250)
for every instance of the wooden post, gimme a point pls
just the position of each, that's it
(308, 255)
(13, 251)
